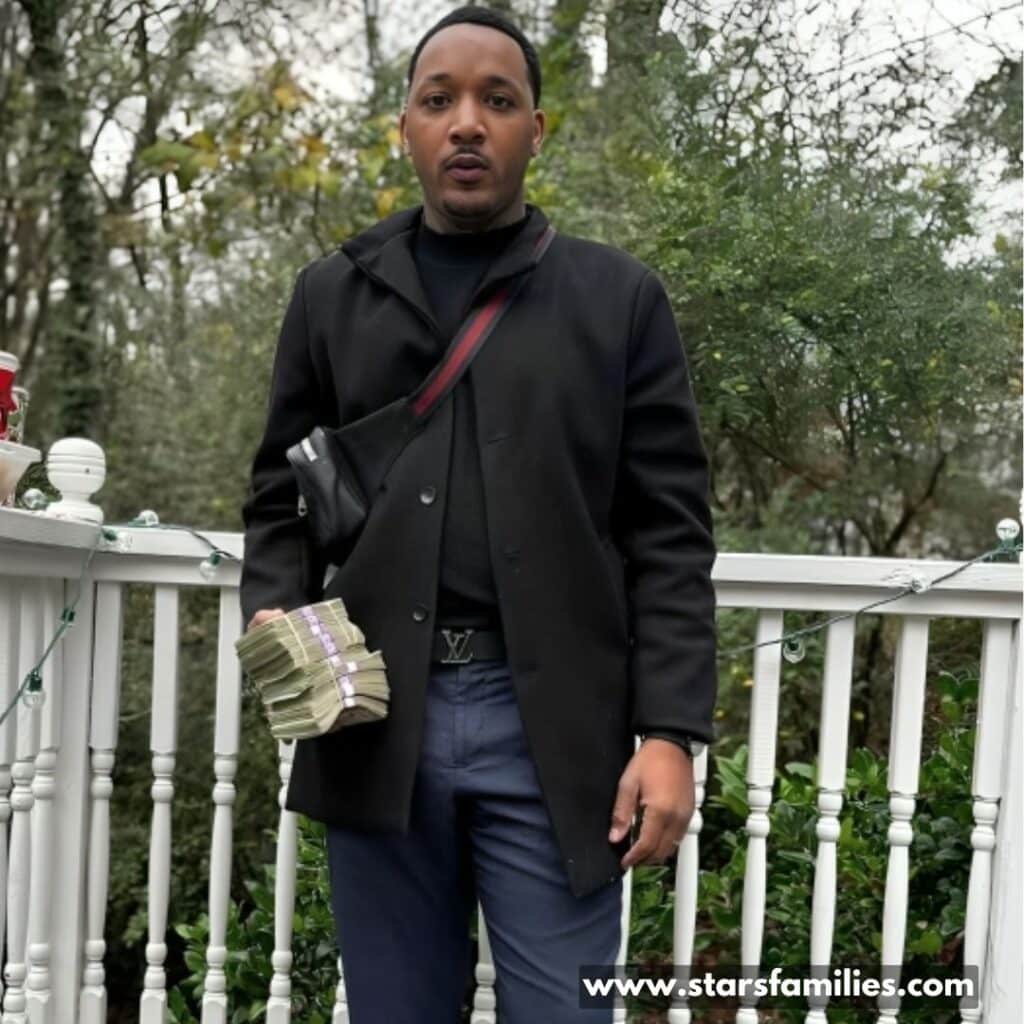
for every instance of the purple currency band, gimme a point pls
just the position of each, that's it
(346, 691)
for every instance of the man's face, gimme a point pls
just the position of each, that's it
(471, 128)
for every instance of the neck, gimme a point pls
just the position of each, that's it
(448, 222)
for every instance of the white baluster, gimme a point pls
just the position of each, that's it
(279, 1005)
(339, 1015)
(764, 715)
(37, 985)
(215, 999)
(684, 923)
(484, 1001)
(19, 877)
(832, 746)
(989, 745)
(904, 763)
(619, 1013)
(1002, 991)
(163, 743)
(71, 803)
(103, 720)
(9, 683)
(625, 915)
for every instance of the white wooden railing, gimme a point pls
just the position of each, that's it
(56, 766)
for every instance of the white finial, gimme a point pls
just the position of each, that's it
(76, 467)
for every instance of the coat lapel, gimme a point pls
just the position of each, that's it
(385, 253)
(516, 257)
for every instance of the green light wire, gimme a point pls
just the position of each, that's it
(1009, 549)
(33, 681)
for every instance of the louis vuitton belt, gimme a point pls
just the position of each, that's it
(461, 646)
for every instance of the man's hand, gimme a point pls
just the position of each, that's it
(658, 778)
(263, 615)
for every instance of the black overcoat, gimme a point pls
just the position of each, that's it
(596, 489)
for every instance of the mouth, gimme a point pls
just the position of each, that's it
(466, 167)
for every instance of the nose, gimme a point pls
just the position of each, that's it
(467, 125)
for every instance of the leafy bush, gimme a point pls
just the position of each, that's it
(250, 942)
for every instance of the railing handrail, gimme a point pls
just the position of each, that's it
(810, 582)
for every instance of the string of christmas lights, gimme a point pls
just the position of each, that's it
(793, 648)
(31, 689)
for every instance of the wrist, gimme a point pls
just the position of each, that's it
(689, 744)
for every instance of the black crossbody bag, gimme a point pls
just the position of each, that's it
(339, 470)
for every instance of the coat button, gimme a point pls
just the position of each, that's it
(419, 613)
(427, 495)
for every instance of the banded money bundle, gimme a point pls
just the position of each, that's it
(313, 672)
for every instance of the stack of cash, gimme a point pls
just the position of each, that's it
(313, 672)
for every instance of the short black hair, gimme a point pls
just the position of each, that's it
(489, 18)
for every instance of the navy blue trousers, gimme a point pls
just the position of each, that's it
(479, 830)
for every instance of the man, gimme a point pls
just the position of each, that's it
(555, 506)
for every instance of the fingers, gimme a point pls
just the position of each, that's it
(658, 786)
(661, 831)
(646, 845)
(625, 804)
(264, 615)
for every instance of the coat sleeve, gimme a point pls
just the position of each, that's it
(662, 522)
(280, 566)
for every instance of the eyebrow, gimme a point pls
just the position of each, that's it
(444, 76)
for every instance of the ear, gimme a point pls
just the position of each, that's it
(401, 131)
(539, 125)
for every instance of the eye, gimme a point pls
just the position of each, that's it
(501, 101)
(436, 100)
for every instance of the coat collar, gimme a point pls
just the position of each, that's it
(384, 252)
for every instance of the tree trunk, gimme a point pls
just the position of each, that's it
(565, 57)
(73, 344)
(631, 33)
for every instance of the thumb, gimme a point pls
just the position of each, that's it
(625, 805)
(264, 615)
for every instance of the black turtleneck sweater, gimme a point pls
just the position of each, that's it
(450, 267)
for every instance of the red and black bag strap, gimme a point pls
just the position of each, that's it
(475, 330)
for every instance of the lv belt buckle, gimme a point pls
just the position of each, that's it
(459, 652)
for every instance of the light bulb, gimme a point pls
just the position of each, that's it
(793, 649)
(147, 517)
(34, 498)
(208, 566)
(116, 540)
(33, 698)
(1007, 530)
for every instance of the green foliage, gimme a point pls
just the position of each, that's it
(991, 117)
(939, 862)
(250, 943)
(839, 386)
